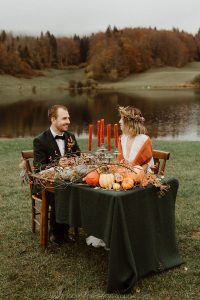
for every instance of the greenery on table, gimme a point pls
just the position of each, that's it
(79, 271)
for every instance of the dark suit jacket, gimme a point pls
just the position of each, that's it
(46, 149)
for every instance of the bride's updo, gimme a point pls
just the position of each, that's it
(133, 120)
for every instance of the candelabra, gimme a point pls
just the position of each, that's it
(102, 156)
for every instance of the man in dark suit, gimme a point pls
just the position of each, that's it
(56, 143)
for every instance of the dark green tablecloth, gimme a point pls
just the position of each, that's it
(137, 226)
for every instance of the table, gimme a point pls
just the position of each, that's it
(137, 226)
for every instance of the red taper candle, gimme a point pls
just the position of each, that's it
(98, 133)
(90, 138)
(108, 135)
(102, 131)
(116, 135)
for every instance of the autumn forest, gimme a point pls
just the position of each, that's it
(110, 55)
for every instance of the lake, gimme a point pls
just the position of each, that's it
(170, 115)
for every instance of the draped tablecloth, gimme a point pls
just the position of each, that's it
(137, 225)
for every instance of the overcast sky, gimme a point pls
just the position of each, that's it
(69, 17)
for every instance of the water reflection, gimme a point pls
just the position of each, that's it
(168, 114)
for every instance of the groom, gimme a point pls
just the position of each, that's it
(55, 143)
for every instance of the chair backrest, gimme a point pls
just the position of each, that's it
(160, 159)
(27, 155)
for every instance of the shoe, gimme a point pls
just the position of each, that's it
(55, 240)
(69, 239)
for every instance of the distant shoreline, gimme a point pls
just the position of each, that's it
(54, 81)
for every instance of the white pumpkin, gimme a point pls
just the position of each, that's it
(106, 181)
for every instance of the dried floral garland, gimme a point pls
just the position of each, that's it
(77, 168)
(126, 113)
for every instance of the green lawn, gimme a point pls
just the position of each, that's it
(80, 272)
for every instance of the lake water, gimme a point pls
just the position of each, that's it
(172, 115)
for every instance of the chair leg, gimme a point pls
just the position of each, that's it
(33, 215)
(44, 221)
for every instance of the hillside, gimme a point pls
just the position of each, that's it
(167, 77)
(14, 89)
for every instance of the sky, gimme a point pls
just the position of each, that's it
(83, 17)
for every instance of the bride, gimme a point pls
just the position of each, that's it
(134, 147)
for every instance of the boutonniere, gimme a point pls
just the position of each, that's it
(69, 144)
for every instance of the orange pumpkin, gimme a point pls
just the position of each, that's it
(92, 178)
(127, 183)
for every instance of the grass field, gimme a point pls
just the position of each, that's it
(159, 78)
(45, 87)
(80, 272)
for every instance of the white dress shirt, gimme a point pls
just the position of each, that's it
(60, 143)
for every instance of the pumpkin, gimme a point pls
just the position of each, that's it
(82, 170)
(127, 183)
(116, 186)
(106, 180)
(137, 174)
(67, 174)
(92, 178)
(122, 171)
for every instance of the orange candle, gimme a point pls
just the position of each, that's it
(98, 133)
(116, 135)
(90, 138)
(102, 131)
(108, 135)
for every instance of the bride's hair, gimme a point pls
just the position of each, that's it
(133, 120)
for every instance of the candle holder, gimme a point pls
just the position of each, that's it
(89, 158)
(101, 153)
(116, 152)
(108, 157)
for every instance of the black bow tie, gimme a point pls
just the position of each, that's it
(59, 137)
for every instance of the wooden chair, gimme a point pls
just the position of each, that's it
(160, 159)
(39, 202)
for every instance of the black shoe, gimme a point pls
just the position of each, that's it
(69, 239)
(56, 240)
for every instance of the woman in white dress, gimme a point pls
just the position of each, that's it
(134, 145)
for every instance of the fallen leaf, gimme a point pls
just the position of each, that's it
(196, 234)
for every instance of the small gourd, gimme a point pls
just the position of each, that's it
(127, 183)
(116, 186)
(106, 180)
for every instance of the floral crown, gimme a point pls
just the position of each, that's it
(126, 113)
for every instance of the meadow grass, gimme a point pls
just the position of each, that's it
(80, 272)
